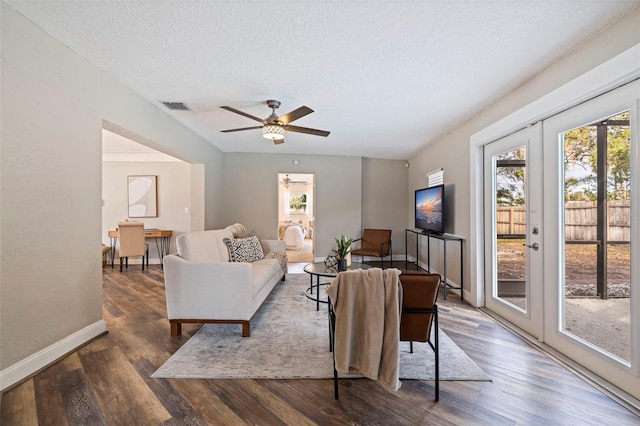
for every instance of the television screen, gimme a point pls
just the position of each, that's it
(430, 209)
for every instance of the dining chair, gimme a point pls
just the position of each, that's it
(106, 251)
(132, 243)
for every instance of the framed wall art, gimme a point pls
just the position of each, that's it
(143, 196)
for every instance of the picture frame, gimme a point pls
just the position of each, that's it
(142, 192)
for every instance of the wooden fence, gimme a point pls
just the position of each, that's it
(580, 218)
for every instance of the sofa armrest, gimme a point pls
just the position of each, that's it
(220, 290)
(274, 245)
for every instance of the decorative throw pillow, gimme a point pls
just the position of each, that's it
(244, 249)
(237, 235)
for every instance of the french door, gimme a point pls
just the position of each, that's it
(592, 233)
(513, 228)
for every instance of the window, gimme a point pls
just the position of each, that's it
(298, 203)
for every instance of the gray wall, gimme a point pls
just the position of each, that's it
(452, 152)
(384, 198)
(53, 107)
(251, 193)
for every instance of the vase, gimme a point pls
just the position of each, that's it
(348, 258)
(342, 264)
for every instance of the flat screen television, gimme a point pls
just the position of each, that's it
(430, 209)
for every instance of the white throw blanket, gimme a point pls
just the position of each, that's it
(367, 304)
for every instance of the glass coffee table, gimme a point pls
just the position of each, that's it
(318, 270)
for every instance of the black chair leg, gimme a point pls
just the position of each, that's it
(143, 256)
(437, 354)
(330, 333)
(335, 381)
(332, 330)
(121, 261)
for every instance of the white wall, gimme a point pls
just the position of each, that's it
(54, 105)
(174, 195)
(452, 150)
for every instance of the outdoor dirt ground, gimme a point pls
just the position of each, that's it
(605, 323)
(580, 268)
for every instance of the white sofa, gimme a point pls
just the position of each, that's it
(203, 286)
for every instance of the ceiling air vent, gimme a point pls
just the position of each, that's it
(176, 106)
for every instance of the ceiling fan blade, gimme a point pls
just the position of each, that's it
(278, 141)
(295, 114)
(243, 128)
(307, 130)
(237, 111)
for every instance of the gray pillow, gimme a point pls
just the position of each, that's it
(245, 234)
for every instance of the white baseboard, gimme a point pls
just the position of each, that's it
(41, 359)
(468, 299)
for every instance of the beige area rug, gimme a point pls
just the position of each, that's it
(304, 255)
(290, 340)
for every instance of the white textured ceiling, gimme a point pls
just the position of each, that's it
(385, 77)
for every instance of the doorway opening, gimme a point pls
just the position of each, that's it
(296, 215)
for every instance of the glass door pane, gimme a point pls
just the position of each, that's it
(513, 235)
(511, 223)
(597, 224)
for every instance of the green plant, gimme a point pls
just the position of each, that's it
(343, 246)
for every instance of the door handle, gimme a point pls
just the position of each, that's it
(534, 246)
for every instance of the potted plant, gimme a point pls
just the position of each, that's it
(343, 251)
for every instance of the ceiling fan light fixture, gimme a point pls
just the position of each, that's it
(274, 132)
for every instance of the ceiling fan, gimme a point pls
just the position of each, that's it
(273, 127)
(286, 181)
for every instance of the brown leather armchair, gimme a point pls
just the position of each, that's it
(419, 316)
(420, 313)
(375, 243)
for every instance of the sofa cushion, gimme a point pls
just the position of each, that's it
(237, 228)
(244, 249)
(262, 272)
(204, 246)
(279, 256)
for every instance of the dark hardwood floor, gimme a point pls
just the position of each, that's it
(107, 381)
